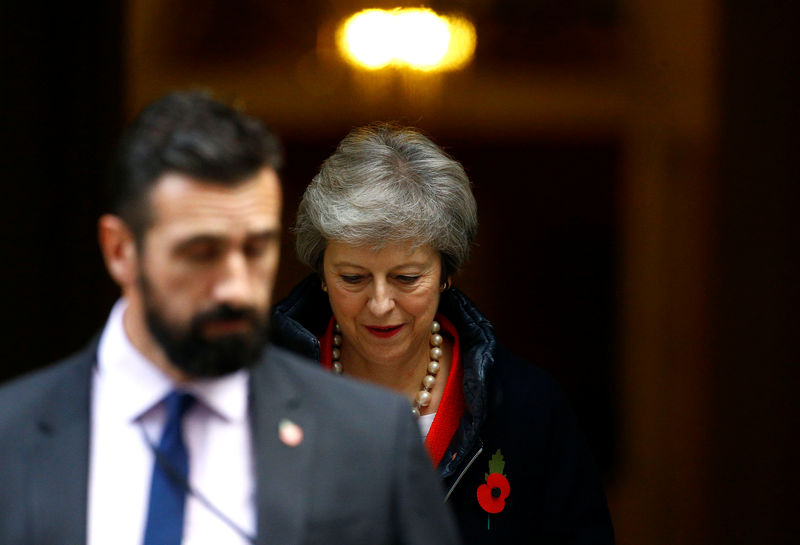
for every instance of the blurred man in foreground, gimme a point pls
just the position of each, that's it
(178, 424)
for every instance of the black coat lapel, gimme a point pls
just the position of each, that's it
(282, 471)
(59, 466)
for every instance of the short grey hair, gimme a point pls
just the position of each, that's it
(386, 184)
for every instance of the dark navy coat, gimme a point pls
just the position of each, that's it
(510, 406)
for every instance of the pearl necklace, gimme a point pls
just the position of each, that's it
(424, 396)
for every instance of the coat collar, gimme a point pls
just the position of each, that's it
(301, 318)
(478, 349)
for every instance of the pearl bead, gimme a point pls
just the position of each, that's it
(415, 411)
(337, 368)
(436, 353)
(435, 327)
(337, 340)
(336, 353)
(436, 340)
(337, 328)
(424, 398)
(433, 367)
(429, 381)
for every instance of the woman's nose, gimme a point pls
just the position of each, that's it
(381, 300)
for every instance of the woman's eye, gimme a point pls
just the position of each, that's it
(407, 278)
(351, 278)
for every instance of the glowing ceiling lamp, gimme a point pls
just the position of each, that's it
(416, 38)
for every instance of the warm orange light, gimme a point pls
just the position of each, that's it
(416, 38)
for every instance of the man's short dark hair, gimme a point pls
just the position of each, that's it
(190, 133)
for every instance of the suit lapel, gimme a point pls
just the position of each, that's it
(282, 470)
(59, 466)
(58, 472)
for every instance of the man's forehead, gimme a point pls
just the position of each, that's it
(180, 202)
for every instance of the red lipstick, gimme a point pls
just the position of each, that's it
(384, 331)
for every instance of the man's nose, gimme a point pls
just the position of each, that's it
(381, 300)
(233, 283)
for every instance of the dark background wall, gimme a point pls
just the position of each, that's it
(755, 474)
(646, 260)
(62, 89)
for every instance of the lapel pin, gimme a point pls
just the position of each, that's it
(290, 433)
(492, 495)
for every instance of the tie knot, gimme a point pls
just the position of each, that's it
(177, 403)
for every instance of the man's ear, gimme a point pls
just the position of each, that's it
(119, 249)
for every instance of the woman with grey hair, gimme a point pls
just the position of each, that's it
(385, 225)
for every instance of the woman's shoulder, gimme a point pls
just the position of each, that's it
(492, 373)
(515, 384)
(514, 373)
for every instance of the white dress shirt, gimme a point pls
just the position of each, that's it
(126, 403)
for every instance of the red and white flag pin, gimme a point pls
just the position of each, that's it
(290, 433)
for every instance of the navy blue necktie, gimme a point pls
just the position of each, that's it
(170, 476)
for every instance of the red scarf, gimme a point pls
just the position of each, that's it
(451, 406)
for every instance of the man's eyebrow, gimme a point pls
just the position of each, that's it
(198, 239)
(207, 238)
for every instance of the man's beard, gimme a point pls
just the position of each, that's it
(189, 350)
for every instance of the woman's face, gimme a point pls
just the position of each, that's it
(384, 300)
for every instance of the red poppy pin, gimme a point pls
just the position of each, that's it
(492, 495)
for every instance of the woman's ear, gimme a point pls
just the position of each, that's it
(322, 283)
(118, 246)
(446, 280)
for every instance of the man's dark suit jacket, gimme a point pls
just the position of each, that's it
(360, 475)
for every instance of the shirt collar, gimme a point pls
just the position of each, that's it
(137, 384)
